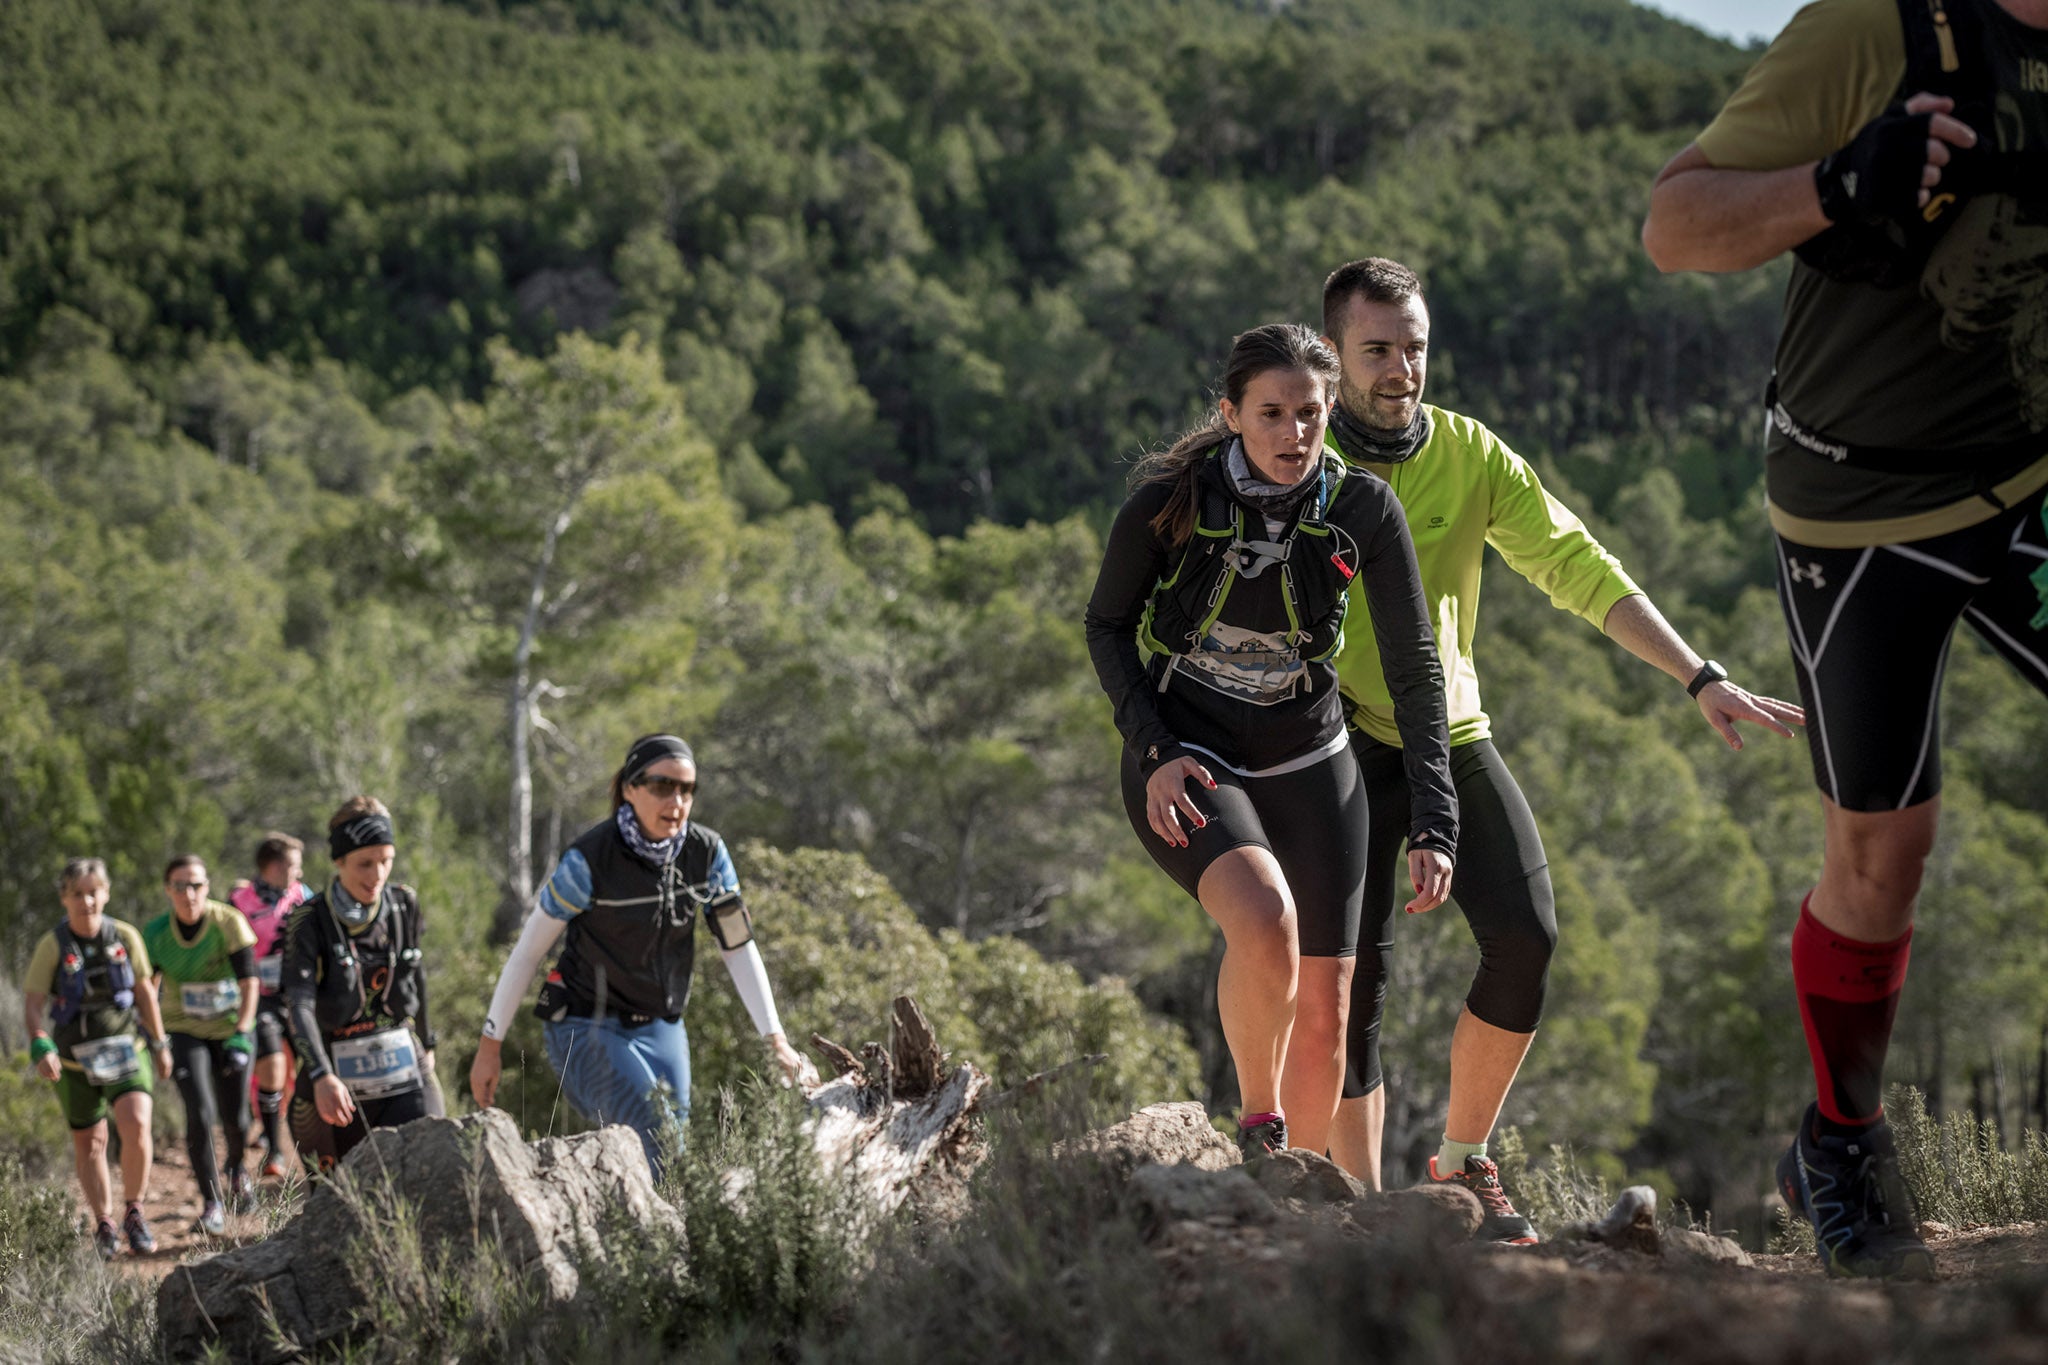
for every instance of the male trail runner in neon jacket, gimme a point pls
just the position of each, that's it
(1463, 489)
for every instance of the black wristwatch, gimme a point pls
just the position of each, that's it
(1710, 672)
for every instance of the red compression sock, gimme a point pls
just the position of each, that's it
(1848, 993)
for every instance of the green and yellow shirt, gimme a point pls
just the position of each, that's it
(1461, 492)
(201, 997)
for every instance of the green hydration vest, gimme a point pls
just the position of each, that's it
(1185, 607)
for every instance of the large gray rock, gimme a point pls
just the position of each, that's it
(1297, 1173)
(1166, 1195)
(541, 1210)
(1162, 1135)
(1439, 1214)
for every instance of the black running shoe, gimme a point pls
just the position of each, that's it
(141, 1240)
(1850, 1189)
(1502, 1223)
(1263, 1139)
(107, 1240)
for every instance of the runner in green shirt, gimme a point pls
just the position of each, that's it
(206, 963)
(1461, 490)
(92, 974)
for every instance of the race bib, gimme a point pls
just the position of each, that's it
(106, 1060)
(209, 999)
(270, 972)
(377, 1065)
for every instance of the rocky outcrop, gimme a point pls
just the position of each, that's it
(1300, 1174)
(466, 1187)
(1159, 1135)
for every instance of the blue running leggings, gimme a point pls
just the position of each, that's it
(613, 1073)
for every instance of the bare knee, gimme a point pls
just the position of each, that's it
(1320, 1019)
(131, 1114)
(90, 1143)
(1875, 860)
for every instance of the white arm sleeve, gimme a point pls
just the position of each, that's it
(535, 940)
(750, 977)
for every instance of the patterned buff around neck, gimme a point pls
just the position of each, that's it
(660, 852)
(1362, 444)
(1274, 501)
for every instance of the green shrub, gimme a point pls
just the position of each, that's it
(1960, 1171)
(840, 945)
(32, 1134)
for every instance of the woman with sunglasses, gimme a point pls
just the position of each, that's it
(355, 993)
(625, 900)
(205, 959)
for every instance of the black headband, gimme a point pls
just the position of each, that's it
(364, 831)
(652, 749)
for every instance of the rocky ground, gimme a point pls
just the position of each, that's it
(1299, 1228)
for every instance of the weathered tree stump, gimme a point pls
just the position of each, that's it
(896, 1117)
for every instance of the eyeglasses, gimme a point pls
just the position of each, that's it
(199, 885)
(668, 788)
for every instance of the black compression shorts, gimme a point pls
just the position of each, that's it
(271, 1028)
(321, 1145)
(1502, 883)
(1311, 820)
(1870, 632)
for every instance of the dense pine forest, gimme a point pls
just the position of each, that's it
(423, 399)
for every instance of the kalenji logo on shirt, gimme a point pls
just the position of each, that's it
(1807, 439)
(1435, 522)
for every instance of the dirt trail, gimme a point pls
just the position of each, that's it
(171, 1203)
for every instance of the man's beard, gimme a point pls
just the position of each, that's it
(1386, 414)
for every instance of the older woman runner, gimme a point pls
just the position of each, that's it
(1232, 562)
(92, 972)
(355, 990)
(205, 957)
(627, 895)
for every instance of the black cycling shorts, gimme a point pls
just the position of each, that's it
(1870, 631)
(1501, 882)
(1312, 820)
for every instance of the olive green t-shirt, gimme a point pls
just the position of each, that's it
(1955, 359)
(200, 997)
(106, 1022)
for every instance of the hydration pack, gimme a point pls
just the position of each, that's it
(1184, 609)
(1947, 54)
(81, 985)
(345, 994)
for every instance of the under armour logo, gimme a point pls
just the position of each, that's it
(1849, 183)
(1810, 573)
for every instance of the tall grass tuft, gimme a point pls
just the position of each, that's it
(1552, 1195)
(1961, 1172)
(772, 1247)
(58, 1301)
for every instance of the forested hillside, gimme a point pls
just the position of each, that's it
(866, 308)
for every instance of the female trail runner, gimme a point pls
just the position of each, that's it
(1232, 562)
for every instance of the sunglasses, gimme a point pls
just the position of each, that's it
(189, 886)
(668, 788)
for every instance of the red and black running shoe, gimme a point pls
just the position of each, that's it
(1502, 1223)
(1261, 1135)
